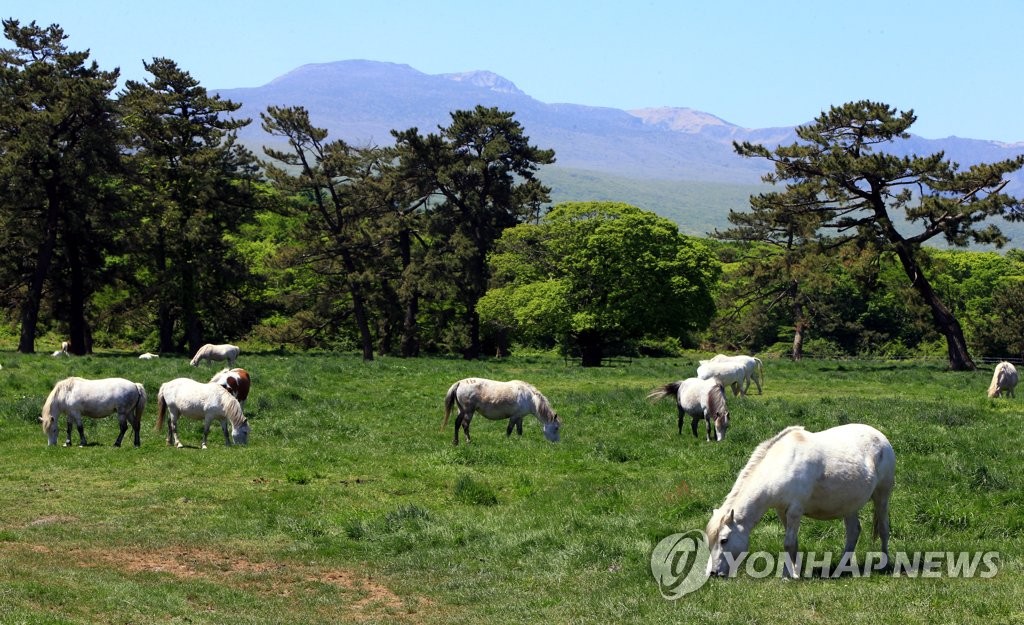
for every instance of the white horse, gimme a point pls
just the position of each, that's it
(753, 366)
(701, 399)
(63, 351)
(511, 400)
(725, 372)
(1004, 380)
(77, 397)
(215, 352)
(823, 475)
(196, 400)
(148, 356)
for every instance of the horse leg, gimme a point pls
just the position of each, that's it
(458, 424)
(122, 421)
(710, 427)
(791, 520)
(224, 427)
(693, 425)
(81, 430)
(465, 426)
(852, 524)
(206, 431)
(173, 433)
(67, 441)
(519, 426)
(681, 414)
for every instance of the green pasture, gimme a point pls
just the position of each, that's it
(349, 505)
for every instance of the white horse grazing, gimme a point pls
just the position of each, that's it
(511, 400)
(726, 372)
(78, 397)
(148, 356)
(63, 351)
(701, 399)
(215, 352)
(823, 475)
(754, 369)
(1004, 380)
(196, 400)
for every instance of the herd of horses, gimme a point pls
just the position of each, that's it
(824, 475)
(222, 399)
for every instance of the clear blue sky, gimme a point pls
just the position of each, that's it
(752, 63)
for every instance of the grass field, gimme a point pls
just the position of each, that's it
(350, 505)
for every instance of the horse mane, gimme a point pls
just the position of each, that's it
(232, 409)
(202, 351)
(544, 409)
(716, 401)
(59, 389)
(755, 459)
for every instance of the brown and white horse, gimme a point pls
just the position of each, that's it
(236, 381)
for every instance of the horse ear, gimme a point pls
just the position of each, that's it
(732, 517)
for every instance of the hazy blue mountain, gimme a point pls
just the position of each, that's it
(676, 161)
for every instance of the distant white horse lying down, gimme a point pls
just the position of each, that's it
(216, 352)
(823, 475)
(754, 369)
(78, 397)
(1004, 380)
(148, 356)
(196, 400)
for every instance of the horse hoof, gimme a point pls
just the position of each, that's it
(180, 446)
(204, 447)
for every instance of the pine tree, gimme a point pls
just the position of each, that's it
(58, 152)
(839, 185)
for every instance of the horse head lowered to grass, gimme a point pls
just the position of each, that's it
(78, 397)
(824, 475)
(196, 400)
(495, 400)
(212, 353)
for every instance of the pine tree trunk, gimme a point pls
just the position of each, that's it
(358, 306)
(78, 328)
(34, 297)
(798, 340)
(945, 322)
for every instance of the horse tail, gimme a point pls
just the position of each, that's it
(993, 388)
(161, 403)
(140, 404)
(449, 400)
(672, 388)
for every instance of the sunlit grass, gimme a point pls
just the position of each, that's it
(350, 504)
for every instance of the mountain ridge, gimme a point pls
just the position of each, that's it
(362, 101)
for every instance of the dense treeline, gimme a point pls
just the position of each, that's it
(136, 219)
